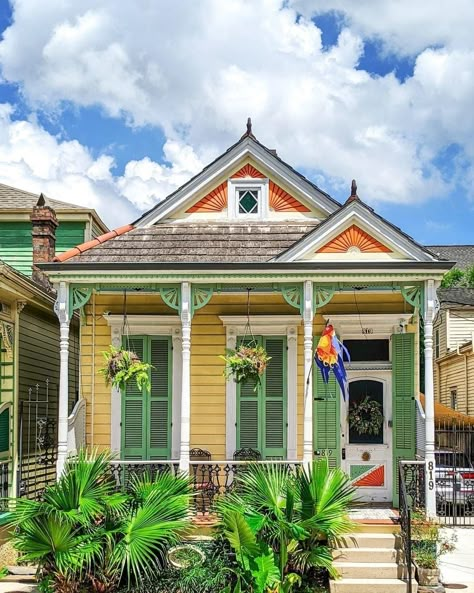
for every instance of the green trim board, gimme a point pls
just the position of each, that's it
(146, 415)
(262, 412)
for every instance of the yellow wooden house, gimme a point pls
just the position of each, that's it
(249, 240)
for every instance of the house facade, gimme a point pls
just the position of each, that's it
(453, 346)
(251, 247)
(32, 230)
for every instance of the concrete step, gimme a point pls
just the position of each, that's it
(366, 570)
(371, 555)
(368, 540)
(370, 586)
(377, 527)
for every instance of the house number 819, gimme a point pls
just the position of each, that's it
(430, 475)
(367, 330)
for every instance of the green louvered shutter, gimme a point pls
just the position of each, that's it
(326, 418)
(159, 405)
(134, 409)
(403, 402)
(5, 432)
(248, 416)
(274, 398)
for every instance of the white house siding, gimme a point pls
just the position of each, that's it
(461, 327)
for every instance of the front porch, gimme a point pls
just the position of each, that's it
(182, 330)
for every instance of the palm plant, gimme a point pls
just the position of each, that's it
(85, 535)
(292, 514)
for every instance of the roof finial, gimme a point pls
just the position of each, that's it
(41, 201)
(353, 195)
(249, 133)
(249, 126)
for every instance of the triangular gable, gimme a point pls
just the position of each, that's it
(355, 240)
(356, 233)
(207, 186)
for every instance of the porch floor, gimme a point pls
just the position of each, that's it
(374, 513)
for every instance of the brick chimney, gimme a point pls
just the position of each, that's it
(44, 221)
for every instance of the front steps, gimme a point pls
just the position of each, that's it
(369, 562)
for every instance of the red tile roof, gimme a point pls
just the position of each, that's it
(62, 257)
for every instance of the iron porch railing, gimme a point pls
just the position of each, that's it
(209, 479)
(405, 511)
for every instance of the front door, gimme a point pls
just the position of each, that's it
(367, 436)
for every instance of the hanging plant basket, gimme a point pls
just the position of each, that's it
(123, 366)
(246, 363)
(366, 416)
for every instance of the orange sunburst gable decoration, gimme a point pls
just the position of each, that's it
(248, 170)
(282, 201)
(354, 238)
(215, 201)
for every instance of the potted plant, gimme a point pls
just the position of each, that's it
(122, 366)
(429, 542)
(246, 363)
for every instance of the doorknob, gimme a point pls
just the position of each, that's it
(343, 452)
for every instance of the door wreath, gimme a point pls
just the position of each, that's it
(365, 417)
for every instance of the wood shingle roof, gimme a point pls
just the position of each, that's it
(191, 242)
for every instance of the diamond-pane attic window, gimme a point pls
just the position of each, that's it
(248, 201)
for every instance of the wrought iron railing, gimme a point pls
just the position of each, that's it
(4, 482)
(124, 471)
(209, 479)
(412, 475)
(405, 510)
(212, 479)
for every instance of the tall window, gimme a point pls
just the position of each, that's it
(454, 398)
(437, 343)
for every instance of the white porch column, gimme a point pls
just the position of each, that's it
(61, 309)
(430, 482)
(186, 377)
(308, 363)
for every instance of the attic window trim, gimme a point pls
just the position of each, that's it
(235, 186)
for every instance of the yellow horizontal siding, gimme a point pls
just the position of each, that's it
(208, 341)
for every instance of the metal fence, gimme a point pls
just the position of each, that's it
(37, 453)
(454, 456)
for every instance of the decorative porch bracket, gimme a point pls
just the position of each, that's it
(79, 297)
(293, 295)
(322, 294)
(413, 295)
(171, 296)
(200, 296)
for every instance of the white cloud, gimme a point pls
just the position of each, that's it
(198, 69)
(34, 160)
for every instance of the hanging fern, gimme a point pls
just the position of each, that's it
(246, 363)
(123, 366)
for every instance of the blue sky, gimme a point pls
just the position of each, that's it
(139, 141)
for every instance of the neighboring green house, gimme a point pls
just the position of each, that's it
(76, 225)
(33, 229)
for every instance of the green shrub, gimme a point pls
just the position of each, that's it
(84, 536)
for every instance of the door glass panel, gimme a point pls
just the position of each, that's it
(358, 391)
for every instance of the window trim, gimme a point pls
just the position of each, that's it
(236, 185)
